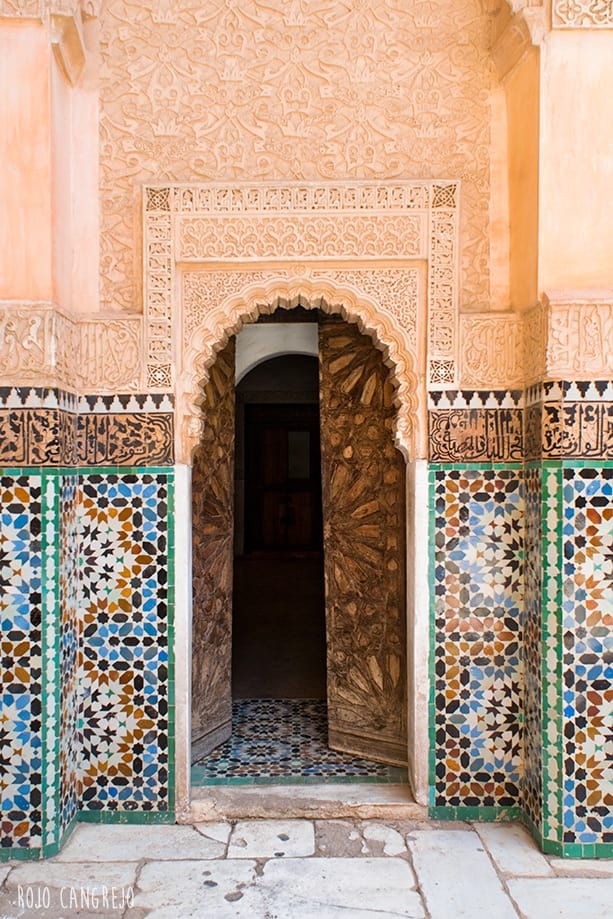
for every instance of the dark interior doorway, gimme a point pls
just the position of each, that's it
(279, 632)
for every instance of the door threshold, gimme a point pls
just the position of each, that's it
(325, 801)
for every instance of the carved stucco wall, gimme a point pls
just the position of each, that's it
(278, 90)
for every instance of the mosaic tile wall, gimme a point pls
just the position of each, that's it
(127, 681)
(21, 739)
(477, 578)
(532, 636)
(587, 679)
(70, 651)
(87, 715)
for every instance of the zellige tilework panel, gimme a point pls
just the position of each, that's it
(551, 650)
(588, 654)
(70, 737)
(126, 607)
(21, 743)
(531, 629)
(478, 596)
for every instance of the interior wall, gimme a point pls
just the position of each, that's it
(25, 155)
(576, 162)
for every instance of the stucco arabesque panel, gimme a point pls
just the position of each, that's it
(555, 340)
(313, 293)
(277, 91)
(581, 14)
(42, 346)
(380, 228)
(37, 9)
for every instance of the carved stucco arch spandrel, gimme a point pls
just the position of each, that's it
(256, 300)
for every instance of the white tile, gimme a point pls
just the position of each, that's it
(272, 839)
(132, 842)
(338, 888)
(456, 876)
(513, 850)
(563, 898)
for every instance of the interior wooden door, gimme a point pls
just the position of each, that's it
(363, 490)
(282, 477)
(212, 560)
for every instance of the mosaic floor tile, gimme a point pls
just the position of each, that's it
(284, 740)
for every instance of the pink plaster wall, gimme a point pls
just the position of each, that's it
(25, 155)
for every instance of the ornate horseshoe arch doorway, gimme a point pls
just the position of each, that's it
(224, 261)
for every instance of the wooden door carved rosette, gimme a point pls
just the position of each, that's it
(212, 549)
(363, 490)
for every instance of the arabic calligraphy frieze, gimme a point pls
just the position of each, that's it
(126, 439)
(475, 434)
(577, 430)
(41, 427)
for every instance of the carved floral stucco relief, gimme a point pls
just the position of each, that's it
(582, 14)
(228, 317)
(305, 234)
(41, 346)
(290, 91)
(554, 340)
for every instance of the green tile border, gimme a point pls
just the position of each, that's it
(134, 816)
(485, 814)
(197, 781)
(171, 558)
(551, 499)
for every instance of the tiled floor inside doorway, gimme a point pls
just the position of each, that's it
(283, 741)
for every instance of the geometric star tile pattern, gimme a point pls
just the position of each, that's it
(588, 655)
(531, 629)
(70, 652)
(477, 519)
(127, 704)
(21, 573)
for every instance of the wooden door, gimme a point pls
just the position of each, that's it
(363, 489)
(282, 477)
(212, 560)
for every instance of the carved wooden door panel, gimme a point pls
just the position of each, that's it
(212, 560)
(363, 489)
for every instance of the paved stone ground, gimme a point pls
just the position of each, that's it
(305, 869)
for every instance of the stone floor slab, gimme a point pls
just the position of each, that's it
(199, 890)
(456, 876)
(583, 867)
(46, 890)
(4, 870)
(337, 888)
(383, 840)
(130, 842)
(215, 830)
(513, 850)
(563, 898)
(338, 838)
(272, 839)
